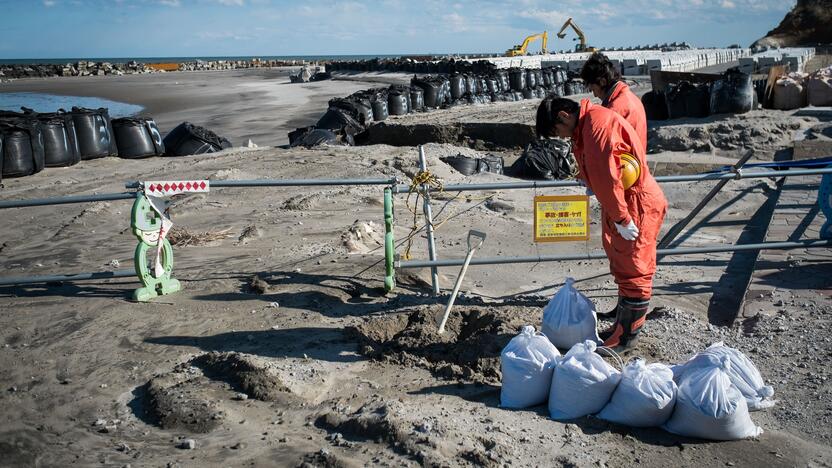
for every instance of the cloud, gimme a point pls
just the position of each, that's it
(232, 2)
(170, 3)
(48, 3)
(727, 4)
(551, 18)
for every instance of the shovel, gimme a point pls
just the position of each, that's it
(475, 240)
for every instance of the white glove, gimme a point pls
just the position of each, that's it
(628, 232)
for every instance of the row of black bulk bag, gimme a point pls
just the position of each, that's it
(137, 137)
(22, 152)
(60, 141)
(95, 133)
(187, 139)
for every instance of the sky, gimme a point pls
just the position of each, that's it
(181, 28)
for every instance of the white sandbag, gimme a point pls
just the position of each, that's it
(527, 363)
(743, 374)
(570, 318)
(789, 93)
(645, 397)
(582, 383)
(709, 406)
(819, 90)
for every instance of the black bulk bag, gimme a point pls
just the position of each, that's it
(60, 142)
(548, 78)
(339, 119)
(187, 139)
(356, 105)
(733, 94)
(517, 79)
(380, 110)
(505, 83)
(417, 98)
(654, 105)
(464, 164)
(94, 132)
(137, 138)
(482, 85)
(687, 100)
(458, 85)
(541, 92)
(549, 159)
(471, 85)
(531, 78)
(22, 147)
(529, 93)
(430, 92)
(492, 85)
(310, 136)
(396, 103)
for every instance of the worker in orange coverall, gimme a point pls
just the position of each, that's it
(631, 218)
(604, 79)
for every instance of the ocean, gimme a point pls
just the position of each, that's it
(42, 102)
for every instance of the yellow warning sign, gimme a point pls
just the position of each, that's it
(561, 218)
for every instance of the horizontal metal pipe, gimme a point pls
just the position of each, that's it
(96, 275)
(67, 200)
(660, 179)
(814, 243)
(287, 182)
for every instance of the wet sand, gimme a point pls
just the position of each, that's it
(257, 104)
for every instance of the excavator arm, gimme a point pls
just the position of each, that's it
(581, 37)
(523, 48)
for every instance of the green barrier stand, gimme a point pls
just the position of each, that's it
(146, 223)
(389, 245)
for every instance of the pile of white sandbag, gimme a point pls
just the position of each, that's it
(797, 90)
(709, 396)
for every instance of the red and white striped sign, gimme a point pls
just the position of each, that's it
(166, 188)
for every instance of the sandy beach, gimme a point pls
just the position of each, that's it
(257, 104)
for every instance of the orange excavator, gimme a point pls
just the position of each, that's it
(522, 49)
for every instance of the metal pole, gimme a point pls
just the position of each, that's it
(67, 200)
(389, 242)
(434, 272)
(814, 243)
(96, 275)
(288, 182)
(662, 179)
(677, 228)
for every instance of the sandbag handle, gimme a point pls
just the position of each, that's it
(612, 354)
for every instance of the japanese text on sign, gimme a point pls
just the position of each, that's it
(561, 218)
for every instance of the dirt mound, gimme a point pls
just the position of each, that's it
(469, 349)
(182, 399)
(363, 237)
(806, 24)
(244, 373)
(758, 134)
(188, 397)
(388, 422)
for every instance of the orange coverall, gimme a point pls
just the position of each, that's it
(626, 104)
(600, 137)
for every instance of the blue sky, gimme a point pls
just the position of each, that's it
(153, 28)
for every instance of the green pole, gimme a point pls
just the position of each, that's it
(389, 243)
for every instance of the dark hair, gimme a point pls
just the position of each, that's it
(599, 66)
(547, 113)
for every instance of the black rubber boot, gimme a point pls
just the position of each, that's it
(623, 336)
(609, 315)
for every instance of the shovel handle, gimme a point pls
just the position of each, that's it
(456, 290)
